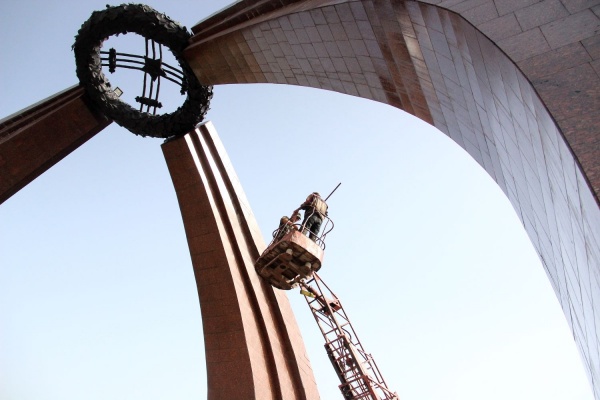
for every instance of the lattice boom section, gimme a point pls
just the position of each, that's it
(358, 373)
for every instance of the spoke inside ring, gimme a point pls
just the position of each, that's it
(147, 73)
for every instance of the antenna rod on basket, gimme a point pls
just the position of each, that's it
(338, 185)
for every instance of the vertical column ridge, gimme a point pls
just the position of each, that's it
(223, 255)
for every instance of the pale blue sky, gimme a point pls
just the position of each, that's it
(97, 295)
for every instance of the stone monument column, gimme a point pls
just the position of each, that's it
(253, 345)
(34, 139)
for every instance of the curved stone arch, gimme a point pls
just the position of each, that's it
(436, 65)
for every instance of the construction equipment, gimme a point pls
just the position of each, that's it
(358, 373)
(292, 260)
(291, 256)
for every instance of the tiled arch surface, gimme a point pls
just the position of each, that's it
(490, 94)
(556, 43)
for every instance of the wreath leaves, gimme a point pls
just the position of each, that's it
(151, 24)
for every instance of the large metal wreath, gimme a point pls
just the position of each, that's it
(149, 23)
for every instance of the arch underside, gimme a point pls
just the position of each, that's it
(436, 65)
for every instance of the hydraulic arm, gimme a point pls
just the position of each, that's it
(358, 373)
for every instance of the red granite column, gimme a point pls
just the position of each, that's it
(253, 345)
(36, 138)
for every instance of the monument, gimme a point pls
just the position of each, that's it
(516, 91)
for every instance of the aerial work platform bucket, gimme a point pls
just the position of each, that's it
(289, 260)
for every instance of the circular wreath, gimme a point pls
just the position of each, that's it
(149, 23)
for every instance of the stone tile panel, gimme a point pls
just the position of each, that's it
(592, 46)
(540, 13)
(596, 65)
(580, 80)
(465, 5)
(573, 28)
(555, 61)
(509, 6)
(577, 5)
(501, 27)
(585, 141)
(483, 13)
(525, 45)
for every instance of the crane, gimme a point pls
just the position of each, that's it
(292, 260)
(358, 373)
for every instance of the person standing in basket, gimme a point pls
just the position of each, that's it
(315, 209)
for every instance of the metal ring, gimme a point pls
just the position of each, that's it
(149, 23)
